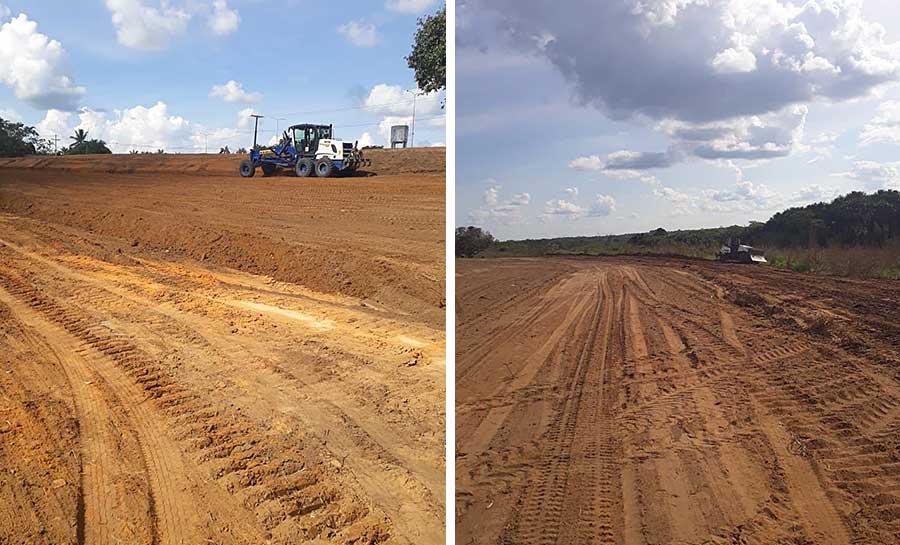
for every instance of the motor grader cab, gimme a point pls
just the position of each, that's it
(308, 150)
(735, 252)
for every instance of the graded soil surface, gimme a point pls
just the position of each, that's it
(190, 357)
(668, 401)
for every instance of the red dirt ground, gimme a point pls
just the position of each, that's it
(641, 400)
(187, 356)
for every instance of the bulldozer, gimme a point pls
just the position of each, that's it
(735, 252)
(307, 150)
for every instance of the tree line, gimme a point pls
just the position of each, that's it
(856, 219)
(20, 140)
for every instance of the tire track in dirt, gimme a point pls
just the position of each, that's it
(725, 426)
(170, 506)
(376, 474)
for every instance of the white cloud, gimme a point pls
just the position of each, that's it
(141, 128)
(521, 199)
(4, 12)
(245, 121)
(884, 127)
(365, 140)
(223, 21)
(141, 26)
(396, 106)
(591, 162)
(409, 6)
(360, 34)
(604, 205)
(496, 212)
(490, 196)
(234, 92)
(55, 122)
(394, 100)
(874, 175)
(9, 114)
(734, 61)
(561, 207)
(716, 60)
(34, 66)
(572, 191)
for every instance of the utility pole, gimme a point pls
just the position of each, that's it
(412, 138)
(206, 135)
(55, 141)
(256, 118)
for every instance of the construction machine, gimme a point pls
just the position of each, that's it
(307, 150)
(735, 252)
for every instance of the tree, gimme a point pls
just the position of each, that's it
(471, 240)
(18, 140)
(225, 150)
(429, 53)
(242, 151)
(79, 137)
(88, 147)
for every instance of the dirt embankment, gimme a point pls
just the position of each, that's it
(642, 400)
(384, 162)
(379, 238)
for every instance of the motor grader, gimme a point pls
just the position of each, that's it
(307, 150)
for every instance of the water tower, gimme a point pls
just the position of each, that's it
(399, 135)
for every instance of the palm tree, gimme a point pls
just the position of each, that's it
(79, 138)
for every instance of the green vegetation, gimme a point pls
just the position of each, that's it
(854, 235)
(429, 53)
(18, 140)
(83, 146)
(471, 240)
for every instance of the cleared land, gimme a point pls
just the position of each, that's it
(187, 356)
(642, 400)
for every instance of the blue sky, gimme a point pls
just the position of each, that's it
(147, 74)
(638, 114)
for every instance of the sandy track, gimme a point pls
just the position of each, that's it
(661, 401)
(149, 397)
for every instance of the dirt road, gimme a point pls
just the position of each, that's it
(635, 401)
(198, 358)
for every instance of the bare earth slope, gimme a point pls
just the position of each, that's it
(636, 401)
(190, 358)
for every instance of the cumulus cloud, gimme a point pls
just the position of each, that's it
(395, 105)
(222, 20)
(497, 211)
(874, 175)
(604, 205)
(234, 92)
(561, 207)
(365, 140)
(141, 26)
(409, 6)
(884, 127)
(759, 137)
(4, 12)
(142, 128)
(572, 191)
(591, 162)
(35, 66)
(394, 100)
(360, 34)
(245, 120)
(715, 60)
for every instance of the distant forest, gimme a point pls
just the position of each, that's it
(855, 219)
(818, 238)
